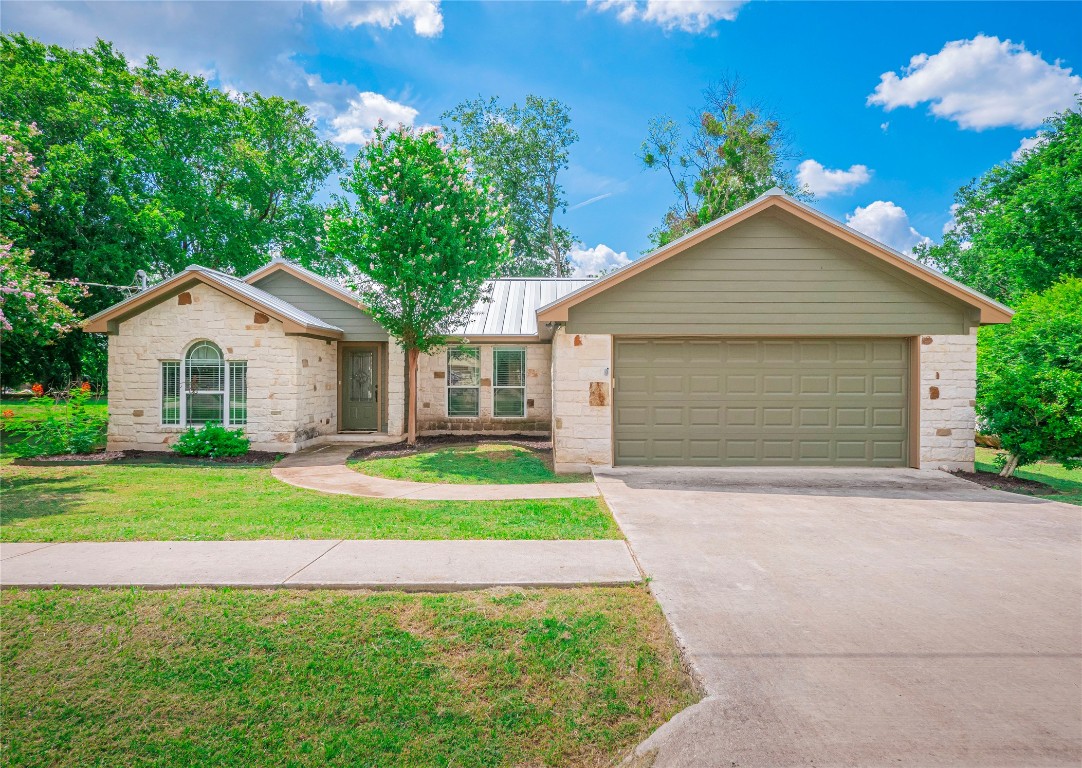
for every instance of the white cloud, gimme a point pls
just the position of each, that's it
(981, 83)
(1026, 145)
(591, 201)
(355, 124)
(884, 127)
(425, 14)
(597, 260)
(686, 15)
(831, 181)
(888, 223)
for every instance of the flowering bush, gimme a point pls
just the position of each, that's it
(56, 427)
(212, 441)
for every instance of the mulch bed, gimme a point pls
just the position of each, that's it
(1012, 484)
(144, 457)
(395, 450)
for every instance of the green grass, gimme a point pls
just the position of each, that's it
(24, 408)
(1068, 482)
(158, 501)
(298, 678)
(485, 463)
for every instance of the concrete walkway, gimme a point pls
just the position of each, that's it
(323, 468)
(342, 564)
(861, 617)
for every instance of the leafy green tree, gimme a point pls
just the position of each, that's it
(1029, 378)
(731, 155)
(152, 169)
(423, 234)
(1018, 228)
(522, 150)
(34, 309)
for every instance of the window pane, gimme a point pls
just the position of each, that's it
(171, 393)
(205, 369)
(464, 367)
(509, 402)
(238, 392)
(463, 401)
(203, 407)
(510, 365)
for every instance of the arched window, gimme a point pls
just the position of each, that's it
(198, 390)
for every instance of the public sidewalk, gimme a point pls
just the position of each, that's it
(342, 564)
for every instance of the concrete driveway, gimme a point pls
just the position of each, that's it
(861, 617)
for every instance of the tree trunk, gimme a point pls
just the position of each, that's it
(411, 401)
(1009, 467)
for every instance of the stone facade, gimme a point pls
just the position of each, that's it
(283, 409)
(581, 401)
(948, 376)
(396, 389)
(432, 415)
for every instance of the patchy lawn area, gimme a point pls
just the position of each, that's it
(496, 463)
(134, 501)
(246, 678)
(22, 407)
(1064, 484)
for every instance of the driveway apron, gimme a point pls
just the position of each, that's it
(861, 617)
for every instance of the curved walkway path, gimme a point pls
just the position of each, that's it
(323, 468)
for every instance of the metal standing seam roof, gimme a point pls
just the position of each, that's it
(512, 308)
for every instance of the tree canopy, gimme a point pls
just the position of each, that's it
(731, 155)
(522, 150)
(148, 168)
(1018, 228)
(1029, 378)
(422, 233)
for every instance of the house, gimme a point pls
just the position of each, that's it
(772, 336)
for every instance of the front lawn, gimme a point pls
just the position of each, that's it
(158, 501)
(497, 463)
(1068, 482)
(24, 407)
(248, 678)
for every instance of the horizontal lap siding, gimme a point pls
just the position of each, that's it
(356, 323)
(768, 276)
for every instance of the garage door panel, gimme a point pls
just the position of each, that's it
(714, 402)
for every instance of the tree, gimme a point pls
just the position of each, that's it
(152, 169)
(423, 235)
(522, 150)
(732, 155)
(1029, 378)
(34, 309)
(1018, 228)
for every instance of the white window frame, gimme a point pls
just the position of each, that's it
(450, 386)
(495, 386)
(183, 392)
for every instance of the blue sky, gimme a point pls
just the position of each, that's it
(884, 138)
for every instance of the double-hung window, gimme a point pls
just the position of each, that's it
(463, 381)
(203, 388)
(509, 390)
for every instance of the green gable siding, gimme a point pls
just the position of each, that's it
(356, 323)
(771, 275)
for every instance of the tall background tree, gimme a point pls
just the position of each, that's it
(152, 169)
(727, 156)
(423, 234)
(523, 150)
(1018, 228)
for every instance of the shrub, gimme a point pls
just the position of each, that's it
(1029, 379)
(56, 425)
(212, 441)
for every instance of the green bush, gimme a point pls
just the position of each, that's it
(55, 425)
(1029, 378)
(212, 441)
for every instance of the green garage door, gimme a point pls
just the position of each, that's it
(729, 402)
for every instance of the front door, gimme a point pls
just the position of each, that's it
(360, 395)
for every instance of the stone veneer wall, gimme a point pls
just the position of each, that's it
(948, 388)
(396, 389)
(276, 376)
(581, 401)
(432, 415)
(316, 370)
